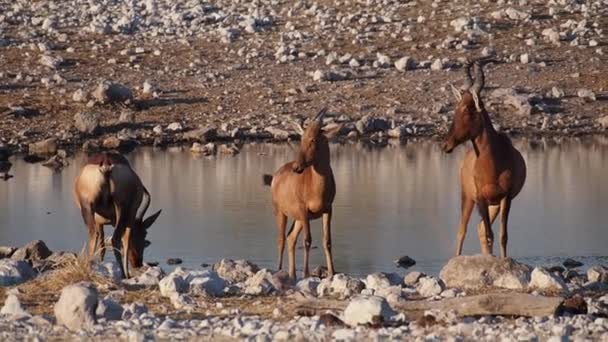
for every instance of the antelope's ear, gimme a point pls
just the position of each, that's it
(150, 220)
(332, 131)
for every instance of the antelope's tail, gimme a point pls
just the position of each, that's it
(267, 179)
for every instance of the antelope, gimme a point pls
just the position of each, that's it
(492, 173)
(108, 191)
(304, 190)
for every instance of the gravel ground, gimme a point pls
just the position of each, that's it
(245, 68)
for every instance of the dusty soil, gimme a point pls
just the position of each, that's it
(203, 81)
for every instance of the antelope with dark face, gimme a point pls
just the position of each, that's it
(492, 173)
(304, 190)
(108, 191)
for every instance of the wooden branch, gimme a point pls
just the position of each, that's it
(496, 304)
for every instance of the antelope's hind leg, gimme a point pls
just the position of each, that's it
(307, 244)
(484, 229)
(505, 208)
(329, 259)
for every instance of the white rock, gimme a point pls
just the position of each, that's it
(411, 279)
(460, 24)
(524, 58)
(405, 63)
(514, 14)
(175, 127)
(309, 285)
(150, 277)
(586, 94)
(382, 60)
(206, 282)
(429, 287)
(551, 35)
(380, 280)
(79, 96)
(172, 284)
(340, 285)
(109, 269)
(318, 75)
(109, 92)
(481, 271)
(235, 271)
(86, 122)
(437, 64)
(543, 280)
(367, 310)
(597, 274)
(15, 272)
(260, 283)
(109, 309)
(52, 62)
(12, 307)
(76, 306)
(557, 93)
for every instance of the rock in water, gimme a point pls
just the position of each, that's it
(367, 310)
(76, 306)
(571, 263)
(174, 261)
(405, 262)
(482, 271)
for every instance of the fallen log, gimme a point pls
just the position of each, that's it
(493, 304)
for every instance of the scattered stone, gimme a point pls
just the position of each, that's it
(6, 251)
(378, 281)
(12, 307)
(411, 279)
(437, 64)
(557, 93)
(108, 93)
(340, 285)
(201, 135)
(208, 149)
(429, 287)
(34, 251)
(460, 24)
(111, 143)
(367, 310)
(309, 285)
(76, 306)
(405, 262)
(175, 127)
(543, 280)
(51, 62)
(586, 94)
(174, 261)
(79, 96)
(44, 147)
(235, 271)
(207, 283)
(405, 63)
(126, 117)
(109, 309)
(597, 274)
(575, 305)
(482, 271)
(514, 14)
(86, 122)
(15, 272)
(173, 284)
(571, 263)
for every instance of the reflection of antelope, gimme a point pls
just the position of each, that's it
(304, 189)
(5, 164)
(492, 173)
(108, 191)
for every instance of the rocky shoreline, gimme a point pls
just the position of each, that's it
(53, 295)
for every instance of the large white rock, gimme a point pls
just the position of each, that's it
(235, 271)
(340, 285)
(15, 272)
(367, 310)
(411, 279)
(546, 281)
(482, 271)
(597, 274)
(12, 307)
(260, 284)
(76, 306)
(172, 284)
(429, 287)
(206, 282)
(379, 280)
(309, 285)
(150, 277)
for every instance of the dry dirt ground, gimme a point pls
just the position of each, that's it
(203, 80)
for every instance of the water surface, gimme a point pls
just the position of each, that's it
(399, 200)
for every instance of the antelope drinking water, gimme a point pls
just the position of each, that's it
(108, 191)
(492, 173)
(304, 190)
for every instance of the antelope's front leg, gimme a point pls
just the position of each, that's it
(126, 238)
(281, 223)
(329, 259)
(307, 244)
(465, 214)
(486, 238)
(292, 238)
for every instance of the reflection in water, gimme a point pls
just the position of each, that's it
(390, 202)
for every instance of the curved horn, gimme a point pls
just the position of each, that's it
(468, 82)
(140, 215)
(479, 78)
(320, 115)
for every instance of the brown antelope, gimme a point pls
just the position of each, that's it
(492, 173)
(304, 190)
(108, 191)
